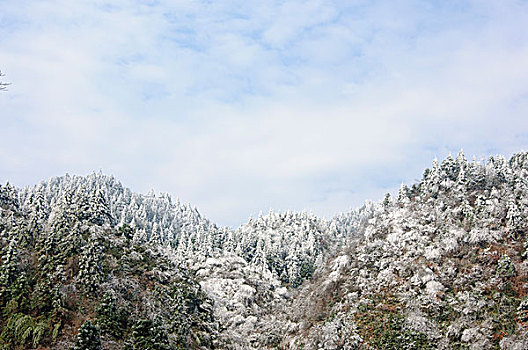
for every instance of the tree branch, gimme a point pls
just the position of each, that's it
(3, 85)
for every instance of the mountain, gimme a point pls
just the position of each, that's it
(86, 263)
(69, 277)
(442, 266)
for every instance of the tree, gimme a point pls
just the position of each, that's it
(148, 334)
(8, 197)
(8, 270)
(90, 267)
(88, 337)
(98, 211)
(3, 85)
(111, 319)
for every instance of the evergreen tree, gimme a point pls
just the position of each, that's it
(88, 337)
(147, 334)
(99, 212)
(8, 271)
(90, 267)
(81, 203)
(8, 197)
(505, 267)
(450, 169)
(110, 318)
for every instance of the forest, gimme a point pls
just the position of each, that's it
(88, 264)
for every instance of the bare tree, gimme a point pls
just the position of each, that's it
(3, 85)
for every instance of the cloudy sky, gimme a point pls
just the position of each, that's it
(239, 106)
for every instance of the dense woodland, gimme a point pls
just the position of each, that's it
(88, 264)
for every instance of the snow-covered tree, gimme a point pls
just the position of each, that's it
(88, 337)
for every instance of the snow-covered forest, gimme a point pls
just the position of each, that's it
(86, 263)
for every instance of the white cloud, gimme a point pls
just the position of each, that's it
(239, 106)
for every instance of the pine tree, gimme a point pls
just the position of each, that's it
(8, 271)
(403, 194)
(505, 267)
(8, 197)
(522, 310)
(515, 220)
(98, 211)
(90, 267)
(147, 334)
(81, 203)
(449, 168)
(39, 209)
(110, 318)
(65, 226)
(88, 337)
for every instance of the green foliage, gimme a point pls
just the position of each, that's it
(387, 199)
(307, 269)
(524, 254)
(8, 270)
(139, 263)
(294, 272)
(184, 313)
(111, 319)
(42, 296)
(51, 279)
(505, 267)
(394, 335)
(98, 212)
(8, 195)
(125, 231)
(17, 291)
(383, 326)
(147, 334)
(22, 329)
(90, 267)
(522, 310)
(88, 337)
(55, 331)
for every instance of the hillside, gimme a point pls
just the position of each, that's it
(71, 278)
(444, 265)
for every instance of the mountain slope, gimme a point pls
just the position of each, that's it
(75, 280)
(442, 266)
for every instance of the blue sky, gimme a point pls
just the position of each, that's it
(239, 106)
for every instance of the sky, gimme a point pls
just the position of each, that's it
(242, 106)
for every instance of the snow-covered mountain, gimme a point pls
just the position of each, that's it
(442, 265)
